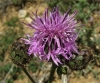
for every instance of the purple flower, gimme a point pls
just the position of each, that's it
(54, 37)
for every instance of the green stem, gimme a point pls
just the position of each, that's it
(52, 73)
(25, 71)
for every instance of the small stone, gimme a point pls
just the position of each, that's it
(84, 31)
(95, 35)
(28, 19)
(91, 38)
(22, 13)
(97, 47)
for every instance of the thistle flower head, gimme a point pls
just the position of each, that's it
(54, 37)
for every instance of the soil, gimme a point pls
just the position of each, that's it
(13, 11)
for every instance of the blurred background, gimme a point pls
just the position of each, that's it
(13, 12)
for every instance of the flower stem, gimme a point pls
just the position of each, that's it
(25, 71)
(53, 68)
(64, 78)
